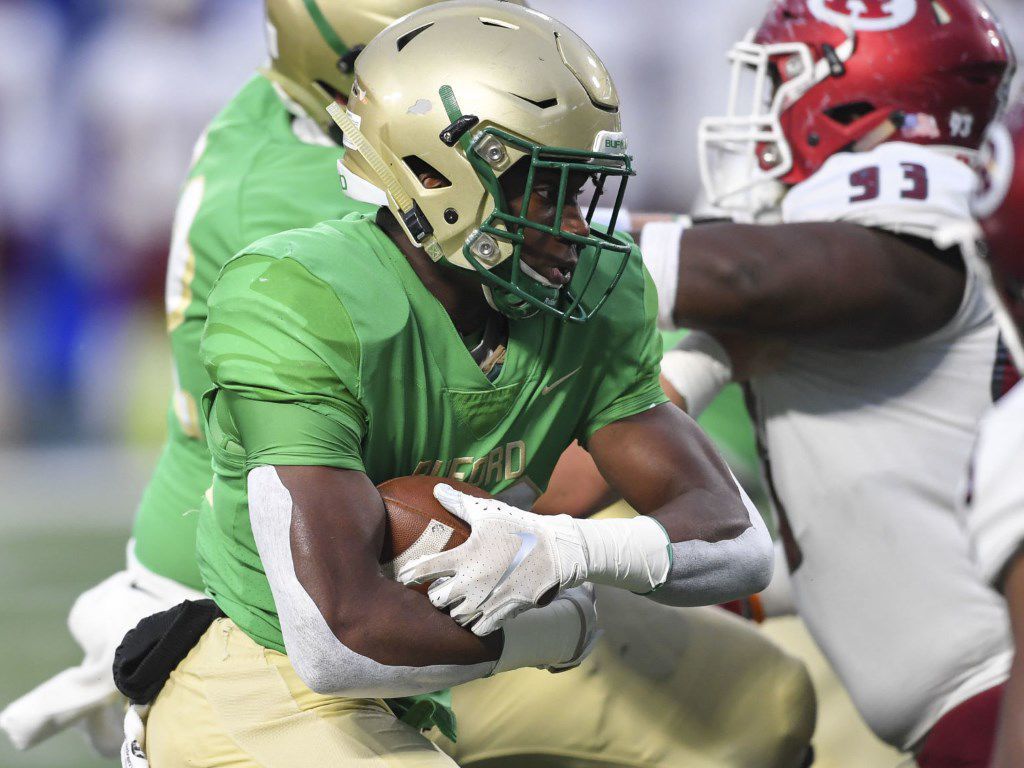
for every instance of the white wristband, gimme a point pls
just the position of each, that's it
(659, 245)
(698, 369)
(541, 637)
(633, 554)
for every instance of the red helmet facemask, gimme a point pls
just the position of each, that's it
(828, 76)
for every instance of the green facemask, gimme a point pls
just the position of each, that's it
(512, 291)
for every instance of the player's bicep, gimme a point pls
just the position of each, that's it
(336, 532)
(830, 282)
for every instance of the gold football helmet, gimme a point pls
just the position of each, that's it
(468, 89)
(313, 44)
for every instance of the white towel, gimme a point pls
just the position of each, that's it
(85, 695)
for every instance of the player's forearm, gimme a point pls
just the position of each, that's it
(350, 631)
(414, 648)
(691, 551)
(331, 647)
(704, 541)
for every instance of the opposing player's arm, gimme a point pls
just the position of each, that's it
(576, 487)
(835, 283)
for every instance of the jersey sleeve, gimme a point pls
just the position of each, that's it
(284, 357)
(903, 188)
(994, 499)
(630, 381)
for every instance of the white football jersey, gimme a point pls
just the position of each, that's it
(994, 495)
(863, 453)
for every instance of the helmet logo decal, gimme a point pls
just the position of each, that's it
(612, 142)
(864, 15)
(920, 125)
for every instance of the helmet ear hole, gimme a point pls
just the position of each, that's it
(847, 114)
(428, 176)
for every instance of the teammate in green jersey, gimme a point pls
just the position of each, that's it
(474, 328)
(266, 163)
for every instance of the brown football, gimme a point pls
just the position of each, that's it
(417, 524)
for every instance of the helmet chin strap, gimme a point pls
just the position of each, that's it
(412, 217)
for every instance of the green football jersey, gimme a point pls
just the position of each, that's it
(326, 349)
(251, 176)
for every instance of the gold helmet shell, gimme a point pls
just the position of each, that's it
(313, 44)
(513, 83)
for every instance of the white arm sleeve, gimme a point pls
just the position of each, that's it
(637, 555)
(659, 246)
(321, 660)
(698, 369)
(705, 573)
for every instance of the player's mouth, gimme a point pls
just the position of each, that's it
(554, 272)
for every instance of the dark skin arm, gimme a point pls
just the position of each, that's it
(1009, 747)
(337, 530)
(576, 487)
(663, 465)
(830, 283)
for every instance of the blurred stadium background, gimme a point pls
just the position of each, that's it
(100, 103)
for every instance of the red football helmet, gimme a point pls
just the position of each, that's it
(998, 205)
(846, 75)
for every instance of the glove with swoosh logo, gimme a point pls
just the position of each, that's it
(513, 560)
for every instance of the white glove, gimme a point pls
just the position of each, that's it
(512, 561)
(557, 637)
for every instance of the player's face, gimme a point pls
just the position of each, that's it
(550, 256)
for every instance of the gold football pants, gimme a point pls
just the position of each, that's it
(234, 704)
(665, 687)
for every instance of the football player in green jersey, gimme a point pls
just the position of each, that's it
(266, 163)
(472, 329)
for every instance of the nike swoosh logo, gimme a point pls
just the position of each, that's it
(562, 380)
(527, 543)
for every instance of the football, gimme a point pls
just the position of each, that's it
(417, 524)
